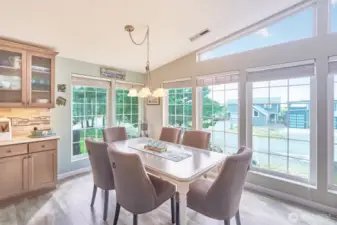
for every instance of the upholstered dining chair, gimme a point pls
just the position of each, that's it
(101, 171)
(112, 134)
(196, 139)
(137, 191)
(170, 134)
(221, 199)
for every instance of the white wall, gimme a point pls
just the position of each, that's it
(61, 115)
(319, 48)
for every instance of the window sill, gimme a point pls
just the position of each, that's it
(284, 179)
(79, 157)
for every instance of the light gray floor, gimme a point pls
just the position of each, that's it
(69, 205)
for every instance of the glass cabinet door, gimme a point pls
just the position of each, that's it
(12, 77)
(40, 78)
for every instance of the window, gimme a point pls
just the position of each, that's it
(280, 123)
(281, 132)
(220, 111)
(333, 15)
(180, 108)
(335, 132)
(291, 28)
(89, 115)
(127, 112)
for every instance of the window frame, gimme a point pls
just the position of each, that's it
(108, 111)
(312, 177)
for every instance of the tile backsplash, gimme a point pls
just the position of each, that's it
(24, 120)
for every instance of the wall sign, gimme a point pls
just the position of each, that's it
(112, 73)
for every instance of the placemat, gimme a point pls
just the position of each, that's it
(170, 154)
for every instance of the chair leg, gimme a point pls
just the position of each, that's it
(118, 207)
(177, 209)
(135, 219)
(93, 196)
(106, 202)
(172, 210)
(237, 218)
(227, 222)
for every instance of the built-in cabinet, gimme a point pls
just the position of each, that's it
(27, 75)
(27, 167)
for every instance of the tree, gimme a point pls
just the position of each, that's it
(180, 108)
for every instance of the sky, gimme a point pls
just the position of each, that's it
(295, 27)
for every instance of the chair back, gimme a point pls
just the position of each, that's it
(113, 134)
(197, 139)
(224, 196)
(100, 164)
(170, 134)
(134, 189)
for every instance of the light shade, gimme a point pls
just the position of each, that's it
(144, 92)
(132, 92)
(159, 93)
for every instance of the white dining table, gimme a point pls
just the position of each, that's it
(180, 173)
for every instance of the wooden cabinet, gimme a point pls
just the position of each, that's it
(42, 169)
(13, 176)
(27, 75)
(28, 167)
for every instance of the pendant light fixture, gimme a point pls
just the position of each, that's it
(145, 91)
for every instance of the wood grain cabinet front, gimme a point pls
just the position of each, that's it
(13, 176)
(42, 169)
(26, 168)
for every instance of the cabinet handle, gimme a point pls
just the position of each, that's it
(29, 157)
(42, 146)
(9, 151)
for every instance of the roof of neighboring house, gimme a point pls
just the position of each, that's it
(260, 110)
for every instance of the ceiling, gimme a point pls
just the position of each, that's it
(93, 31)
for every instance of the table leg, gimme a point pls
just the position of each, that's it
(182, 189)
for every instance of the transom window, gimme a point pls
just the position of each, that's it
(89, 115)
(291, 28)
(333, 15)
(281, 125)
(127, 112)
(180, 108)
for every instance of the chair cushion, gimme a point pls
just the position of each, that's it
(197, 195)
(164, 190)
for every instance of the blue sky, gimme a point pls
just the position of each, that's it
(295, 27)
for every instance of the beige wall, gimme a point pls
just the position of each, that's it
(318, 48)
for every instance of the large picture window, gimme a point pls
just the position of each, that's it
(127, 112)
(220, 112)
(180, 108)
(89, 115)
(280, 124)
(291, 28)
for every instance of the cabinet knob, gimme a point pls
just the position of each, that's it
(42, 146)
(9, 151)
(29, 157)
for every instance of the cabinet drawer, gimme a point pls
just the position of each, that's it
(42, 146)
(11, 150)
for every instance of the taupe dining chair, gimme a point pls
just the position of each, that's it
(101, 171)
(197, 139)
(112, 134)
(221, 199)
(170, 134)
(137, 191)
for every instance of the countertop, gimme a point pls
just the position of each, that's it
(26, 139)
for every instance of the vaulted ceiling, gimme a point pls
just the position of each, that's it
(93, 31)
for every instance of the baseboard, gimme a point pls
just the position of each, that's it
(291, 198)
(73, 173)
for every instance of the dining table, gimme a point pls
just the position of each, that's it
(181, 165)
